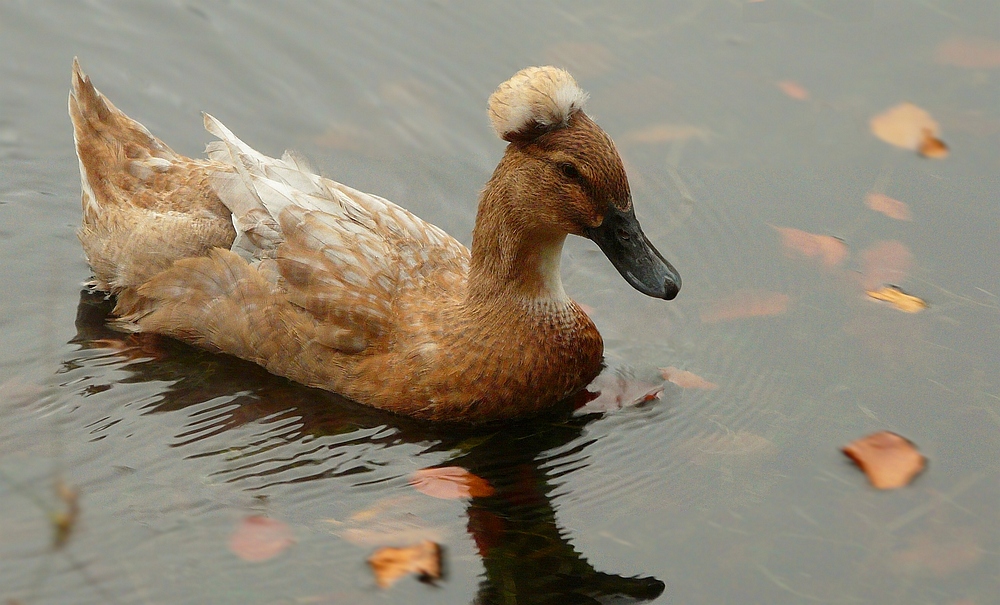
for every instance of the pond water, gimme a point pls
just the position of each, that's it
(734, 118)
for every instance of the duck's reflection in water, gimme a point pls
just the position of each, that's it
(524, 552)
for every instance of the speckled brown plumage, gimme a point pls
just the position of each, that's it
(345, 291)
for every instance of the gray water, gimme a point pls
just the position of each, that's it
(732, 495)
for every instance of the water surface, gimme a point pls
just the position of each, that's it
(732, 495)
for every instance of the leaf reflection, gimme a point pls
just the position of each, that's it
(524, 551)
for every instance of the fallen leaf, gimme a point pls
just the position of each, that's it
(612, 391)
(971, 53)
(793, 90)
(665, 133)
(65, 520)
(941, 550)
(910, 127)
(888, 206)
(390, 564)
(932, 147)
(899, 299)
(889, 460)
(259, 538)
(886, 262)
(740, 446)
(742, 304)
(450, 483)
(831, 250)
(686, 380)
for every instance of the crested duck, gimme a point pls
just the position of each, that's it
(342, 290)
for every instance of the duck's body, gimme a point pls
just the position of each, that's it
(345, 291)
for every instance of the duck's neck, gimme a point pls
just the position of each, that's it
(513, 258)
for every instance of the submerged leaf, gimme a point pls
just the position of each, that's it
(390, 564)
(450, 482)
(899, 299)
(742, 304)
(64, 521)
(793, 90)
(259, 538)
(686, 380)
(888, 206)
(941, 550)
(612, 391)
(831, 250)
(910, 127)
(889, 460)
(971, 53)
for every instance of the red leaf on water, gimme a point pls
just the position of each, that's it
(260, 538)
(391, 564)
(450, 483)
(742, 304)
(889, 460)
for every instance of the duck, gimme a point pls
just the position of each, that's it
(263, 259)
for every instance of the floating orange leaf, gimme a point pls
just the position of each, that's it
(889, 460)
(888, 206)
(450, 482)
(971, 53)
(746, 303)
(899, 299)
(65, 520)
(830, 249)
(886, 262)
(910, 127)
(259, 538)
(931, 146)
(793, 90)
(390, 564)
(686, 380)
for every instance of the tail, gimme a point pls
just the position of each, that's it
(144, 206)
(111, 146)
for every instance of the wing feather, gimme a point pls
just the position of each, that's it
(343, 255)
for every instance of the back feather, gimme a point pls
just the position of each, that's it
(343, 255)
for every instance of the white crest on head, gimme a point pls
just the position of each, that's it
(534, 100)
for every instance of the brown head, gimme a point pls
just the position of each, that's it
(560, 175)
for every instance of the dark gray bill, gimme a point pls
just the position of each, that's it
(621, 239)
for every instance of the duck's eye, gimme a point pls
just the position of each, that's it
(569, 170)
